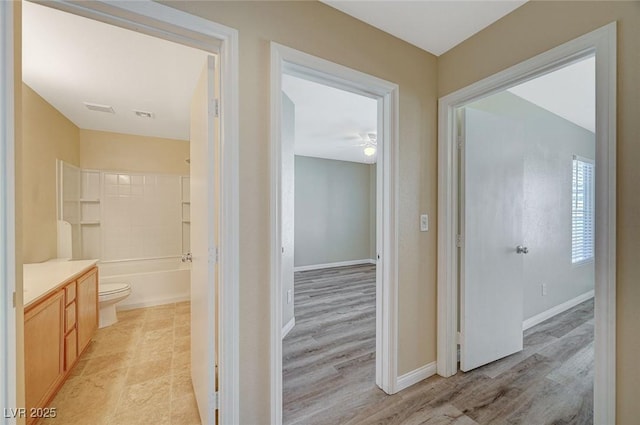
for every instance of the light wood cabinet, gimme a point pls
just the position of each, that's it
(57, 329)
(87, 301)
(44, 350)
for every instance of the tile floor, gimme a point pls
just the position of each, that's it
(134, 372)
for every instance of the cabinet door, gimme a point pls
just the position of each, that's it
(43, 349)
(87, 302)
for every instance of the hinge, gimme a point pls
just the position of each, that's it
(215, 405)
(214, 255)
(216, 108)
(460, 142)
(458, 338)
(459, 241)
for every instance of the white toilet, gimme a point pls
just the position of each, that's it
(109, 294)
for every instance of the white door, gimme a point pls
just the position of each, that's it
(203, 184)
(491, 278)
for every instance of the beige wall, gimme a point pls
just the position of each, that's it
(322, 31)
(533, 29)
(47, 135)
(103, 150)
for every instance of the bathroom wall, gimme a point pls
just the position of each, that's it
(104, 150)
(47, 135)
(333, 211)
(141, 216)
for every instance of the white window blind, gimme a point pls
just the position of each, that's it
(582, 210)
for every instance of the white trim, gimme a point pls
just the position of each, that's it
(332, 265)
(8, 342)
(152, 303)
(287, 328)
(554, 311)
(602, 43)
(155, 19)
(316, 69)
(415, 376)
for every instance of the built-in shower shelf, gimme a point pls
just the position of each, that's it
(186, 221)
(90, 222)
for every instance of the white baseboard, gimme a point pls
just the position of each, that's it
(415, 376)
(152, 303)
(331, 265)
(287, 328)
(539, 318)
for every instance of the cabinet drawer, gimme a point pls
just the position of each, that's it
(70, 295)
(70, 349)
(70, 317)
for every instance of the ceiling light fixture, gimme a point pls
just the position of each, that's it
(370, 150)
(370, 143)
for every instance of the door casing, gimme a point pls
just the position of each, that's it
(8, 284)
(602, 44)
(161, 21)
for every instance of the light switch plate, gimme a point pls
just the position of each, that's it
(424, 222)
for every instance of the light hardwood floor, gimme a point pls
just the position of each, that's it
(136, 371)
(329, 367)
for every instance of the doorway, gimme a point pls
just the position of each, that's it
(451, 237)
(329, 206)
(530, 149)
(301, 65)
(177, 26)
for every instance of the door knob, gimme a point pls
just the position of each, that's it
(522, 249)
(187, 258)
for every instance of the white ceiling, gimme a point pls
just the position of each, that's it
(69, 60)
(432, 25)
(330, 123)
(569, 92)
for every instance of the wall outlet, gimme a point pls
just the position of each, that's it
(424, 222)
(544, 289)
(289, 296)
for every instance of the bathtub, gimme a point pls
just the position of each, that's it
(153, 282)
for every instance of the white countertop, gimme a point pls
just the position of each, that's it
(42, 278)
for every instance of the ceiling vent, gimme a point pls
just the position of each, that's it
(143, 114)
(99, 108)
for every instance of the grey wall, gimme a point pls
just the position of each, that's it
(332, 211)
(550, 143)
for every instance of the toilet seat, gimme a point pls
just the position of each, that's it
(112, 288)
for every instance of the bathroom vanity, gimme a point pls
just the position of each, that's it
(60, 317)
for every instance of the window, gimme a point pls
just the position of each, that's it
(582, 206)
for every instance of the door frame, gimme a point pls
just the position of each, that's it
(601, 43)
(164, 22)
(293, 62)
(8, 311)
